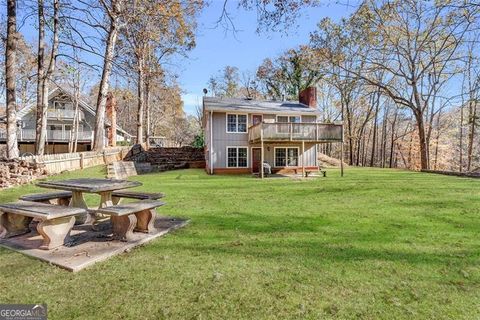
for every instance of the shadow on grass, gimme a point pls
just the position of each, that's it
(318, 252)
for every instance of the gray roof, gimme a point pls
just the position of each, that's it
(247, 105)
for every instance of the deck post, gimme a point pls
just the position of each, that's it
(303, 158)
(261, 153)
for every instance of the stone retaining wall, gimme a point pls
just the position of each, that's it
(170, 158)
(17, 172)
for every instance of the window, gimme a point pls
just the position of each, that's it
(285, 128)
(62, 105)
(236, 123)
(237, 157)
(55, 127)
(286, 157)
(284, 119)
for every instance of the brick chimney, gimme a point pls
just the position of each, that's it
(112, 117)
(308, 96)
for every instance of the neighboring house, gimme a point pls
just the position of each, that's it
(240, 134)
(60, 117)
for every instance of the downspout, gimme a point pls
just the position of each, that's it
(211, 142)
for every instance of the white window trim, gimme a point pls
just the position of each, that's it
(286, 155)
(226, 156)
(236, 114)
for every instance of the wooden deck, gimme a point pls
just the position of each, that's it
(296, 132)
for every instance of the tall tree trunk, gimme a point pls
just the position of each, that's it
(99, 131)
(374, 138)
(72, 145)
(472, 118)
(44, 73)
(41, 120)
(383, 150)
(392, 139)
(460, 142)
(141, 102)
(437, 142)
(350, 135)
(422, 140)
(147, 111)
(10, 83)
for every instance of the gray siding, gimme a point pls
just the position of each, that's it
(222, 140)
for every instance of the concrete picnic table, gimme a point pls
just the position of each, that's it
(103, 187)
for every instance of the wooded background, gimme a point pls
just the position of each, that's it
(403, 76)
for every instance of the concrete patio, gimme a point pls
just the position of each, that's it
(88, 247)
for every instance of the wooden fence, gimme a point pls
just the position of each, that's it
(56, 163)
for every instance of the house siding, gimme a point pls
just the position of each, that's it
(222, 139)
(309, 156)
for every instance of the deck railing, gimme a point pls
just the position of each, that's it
(296, 131)
(52, 135)
(63, 114)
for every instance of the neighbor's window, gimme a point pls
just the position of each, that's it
(286, 157)
(236, 123)
(61, 105)
(237, 157)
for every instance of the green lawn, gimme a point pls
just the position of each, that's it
(375, 244)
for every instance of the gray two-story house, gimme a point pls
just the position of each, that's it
(241, 134)
(60, 117)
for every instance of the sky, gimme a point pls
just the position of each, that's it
(217, 47)
(245, 49)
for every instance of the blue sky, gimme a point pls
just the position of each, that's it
(217, 48)
(244, 50)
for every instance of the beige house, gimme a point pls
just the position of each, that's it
(241, 134)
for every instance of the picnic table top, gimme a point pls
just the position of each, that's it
(39, 210)
(89, 184)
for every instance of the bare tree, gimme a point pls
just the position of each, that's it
(10, 66)
(416, 44)
(113, 10)
(45, 71)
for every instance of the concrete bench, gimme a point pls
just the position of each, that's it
(118, 195)
(134, 216)
(55, 222)
(56, 197)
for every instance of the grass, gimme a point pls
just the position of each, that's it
(375, 244)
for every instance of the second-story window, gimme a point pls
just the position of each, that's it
(236, 123)
(284, 119)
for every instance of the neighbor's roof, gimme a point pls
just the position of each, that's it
(247, 105)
